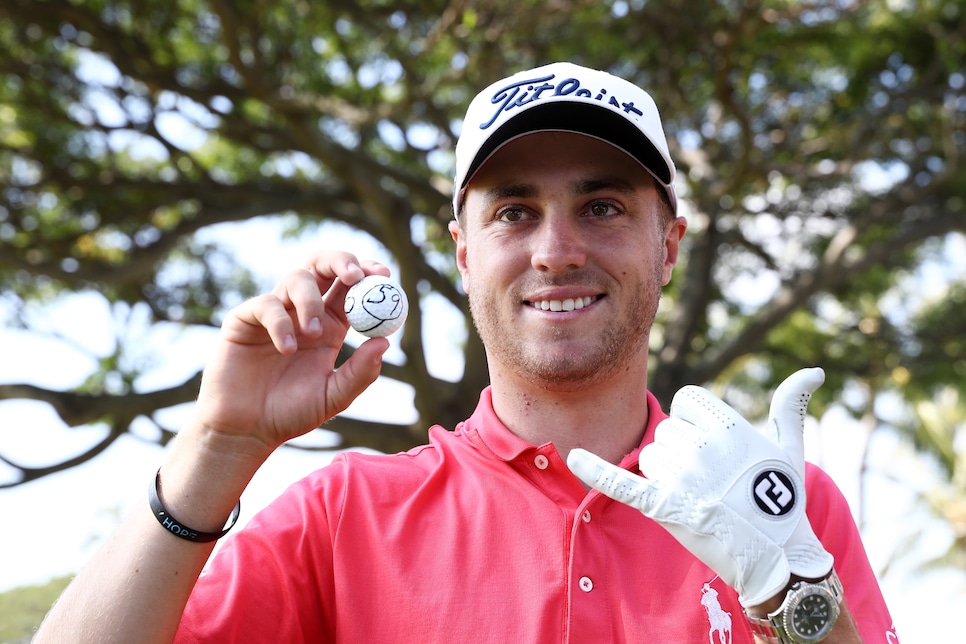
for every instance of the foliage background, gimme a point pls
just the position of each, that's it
(21, 611)
(819, 147)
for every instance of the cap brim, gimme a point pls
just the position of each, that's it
(580, 118)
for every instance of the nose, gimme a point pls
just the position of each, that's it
(558, 245)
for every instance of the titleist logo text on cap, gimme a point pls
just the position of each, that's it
(513, 95)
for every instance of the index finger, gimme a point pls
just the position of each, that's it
(607, 478)
(329, 265)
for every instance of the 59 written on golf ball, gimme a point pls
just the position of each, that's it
(376, 306)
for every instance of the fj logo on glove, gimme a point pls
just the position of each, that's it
(774, 493)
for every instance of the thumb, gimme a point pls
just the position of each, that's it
(609, 479)
(355, 375)
(786, 417)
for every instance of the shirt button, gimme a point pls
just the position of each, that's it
(586, 584)
(541, 462)
(586, 516)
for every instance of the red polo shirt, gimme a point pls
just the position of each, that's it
(480, 536)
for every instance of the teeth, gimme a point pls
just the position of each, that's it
(562, 305)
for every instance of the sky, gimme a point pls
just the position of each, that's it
(52, 526)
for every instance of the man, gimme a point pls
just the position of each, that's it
(567, 230)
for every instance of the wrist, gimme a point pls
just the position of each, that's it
(806, 615)
(774, 603)
(176, 527)
(819, 574)
(239, 447)
(204, 476)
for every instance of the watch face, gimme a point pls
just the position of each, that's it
(812, 617)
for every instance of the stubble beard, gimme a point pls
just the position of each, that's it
(616, 344)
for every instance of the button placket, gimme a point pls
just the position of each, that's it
(585, 583)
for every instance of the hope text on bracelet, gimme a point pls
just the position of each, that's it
(177, 528)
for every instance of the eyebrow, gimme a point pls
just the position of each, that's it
(584, 187)
(589, 186)
(509, 191)
(506, 191)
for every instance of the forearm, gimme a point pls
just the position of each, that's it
(136, 586)
(134, 589)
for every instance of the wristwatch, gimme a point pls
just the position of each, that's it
(807, 614)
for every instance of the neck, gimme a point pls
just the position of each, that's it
(606, 418)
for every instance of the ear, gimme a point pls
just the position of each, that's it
(673, 232)
(456, 230)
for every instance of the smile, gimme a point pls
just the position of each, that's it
(563, 305)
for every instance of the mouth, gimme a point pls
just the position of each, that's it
(569, 304)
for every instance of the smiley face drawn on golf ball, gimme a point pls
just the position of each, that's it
(376, 306)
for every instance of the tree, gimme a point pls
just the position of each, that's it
(818, 145)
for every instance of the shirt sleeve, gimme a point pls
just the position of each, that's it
(269, 581)
(835, 527)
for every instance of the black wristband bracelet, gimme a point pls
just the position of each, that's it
(178, 529)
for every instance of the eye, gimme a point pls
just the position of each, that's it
(511, 214)
(602, 209)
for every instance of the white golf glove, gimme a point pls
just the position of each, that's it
(735, 498)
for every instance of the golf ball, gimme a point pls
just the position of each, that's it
(376, 306)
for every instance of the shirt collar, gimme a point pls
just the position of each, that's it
(507, 446)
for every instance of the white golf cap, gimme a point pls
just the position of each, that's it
(563, 97)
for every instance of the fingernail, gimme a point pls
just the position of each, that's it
(289, 343)
(315, 325)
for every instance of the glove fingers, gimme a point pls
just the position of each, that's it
(659, 462)
(615, 482)
(786, 417)
(679, 435)
(703, 409)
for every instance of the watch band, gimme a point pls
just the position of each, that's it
(772, 628)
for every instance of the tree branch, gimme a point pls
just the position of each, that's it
(838, 268)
